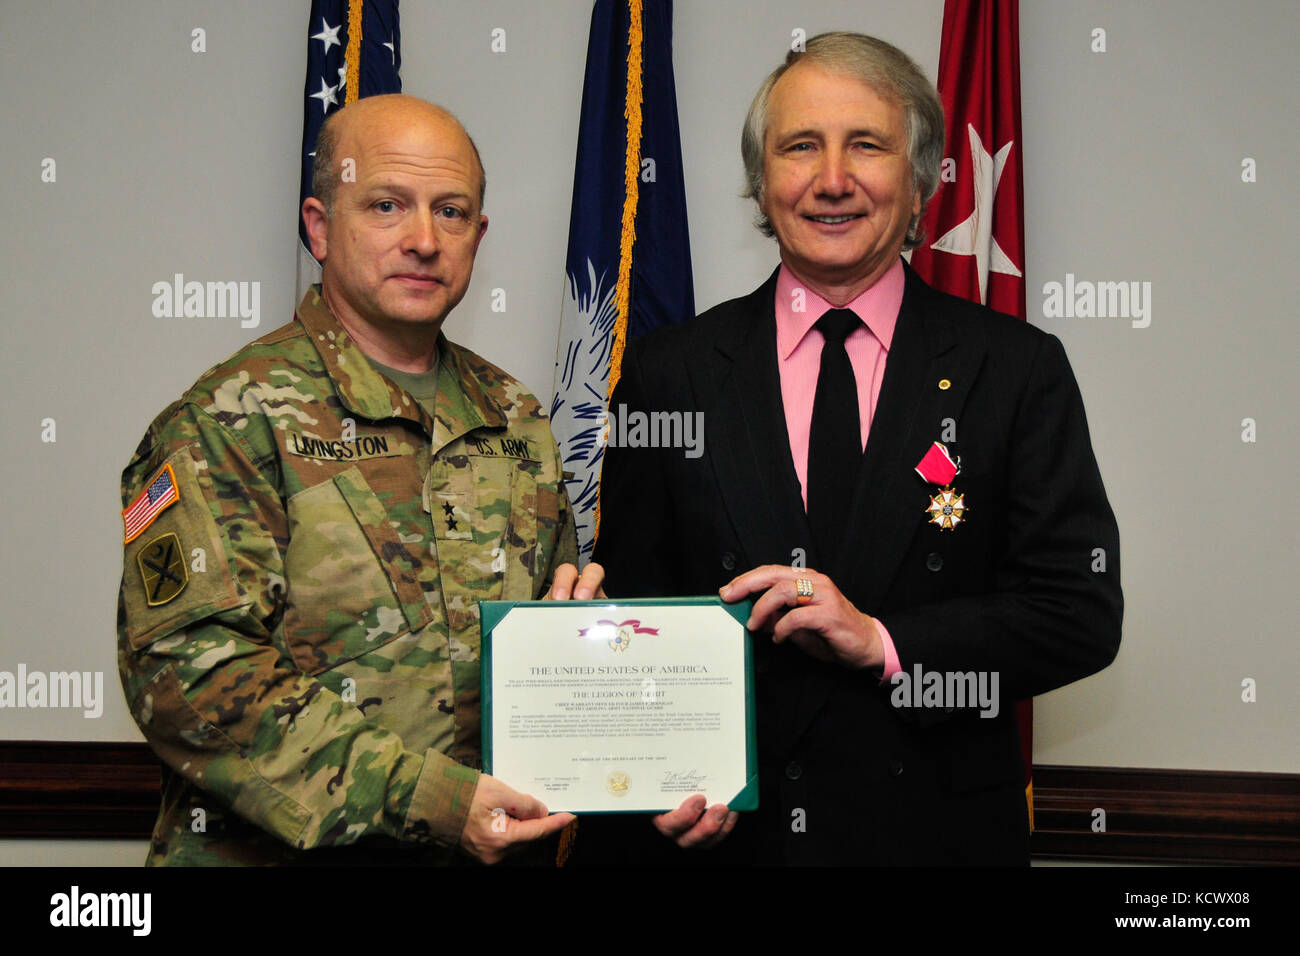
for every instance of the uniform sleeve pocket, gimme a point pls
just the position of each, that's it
(175, 570)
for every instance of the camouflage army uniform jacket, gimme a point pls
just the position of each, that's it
(298, 631)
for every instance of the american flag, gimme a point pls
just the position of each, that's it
(149, 503)
(368, 32)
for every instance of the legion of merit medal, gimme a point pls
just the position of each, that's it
(947, 509)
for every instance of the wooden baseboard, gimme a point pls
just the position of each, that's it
(85, 790)
(78, 790)
(1166, 816)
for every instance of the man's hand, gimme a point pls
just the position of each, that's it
(502, 819)
(586, 588)
(828, 627)
(692, 826)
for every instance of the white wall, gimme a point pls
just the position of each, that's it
(172, 161)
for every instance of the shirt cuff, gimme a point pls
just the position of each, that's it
(440, 802)
(892, 664)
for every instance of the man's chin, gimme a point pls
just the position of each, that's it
(417, 309)
(414, 318)
(832, 269)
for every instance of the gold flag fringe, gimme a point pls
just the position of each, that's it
(353, 54)
(627, 237)
(622, 294)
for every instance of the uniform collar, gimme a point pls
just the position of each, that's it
(464, 401)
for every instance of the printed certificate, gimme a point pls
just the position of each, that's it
(620, 706)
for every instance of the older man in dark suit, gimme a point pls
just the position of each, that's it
(928, 457)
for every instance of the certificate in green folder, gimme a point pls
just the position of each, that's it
(620, 706)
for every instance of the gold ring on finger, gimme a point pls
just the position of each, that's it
(803, 589)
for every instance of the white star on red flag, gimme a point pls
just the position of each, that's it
(974, 236)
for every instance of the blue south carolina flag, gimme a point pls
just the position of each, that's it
(629, 261)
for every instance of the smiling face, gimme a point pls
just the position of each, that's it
(398, 249)
(837, 184)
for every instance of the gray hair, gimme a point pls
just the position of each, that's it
(894, 76)
(324, 176)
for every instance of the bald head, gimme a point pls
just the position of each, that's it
(397, 242)
(343, 132)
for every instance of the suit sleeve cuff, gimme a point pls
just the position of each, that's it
(892, 664)
(440, 802)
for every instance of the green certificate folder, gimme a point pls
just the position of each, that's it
(620, 706)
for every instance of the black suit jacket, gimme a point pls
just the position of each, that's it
(1016, 589)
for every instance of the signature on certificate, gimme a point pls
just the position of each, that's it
(692, 780)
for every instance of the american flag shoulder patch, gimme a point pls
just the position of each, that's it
(157, 496)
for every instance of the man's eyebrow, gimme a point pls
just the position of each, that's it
(405, 192)
(798, 134)
(811, 133)
(869, 131)
(375, 188)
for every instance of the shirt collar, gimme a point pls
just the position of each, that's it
(877, 307)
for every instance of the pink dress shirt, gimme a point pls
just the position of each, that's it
(799, 354)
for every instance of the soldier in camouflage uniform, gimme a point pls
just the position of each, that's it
(307, 541)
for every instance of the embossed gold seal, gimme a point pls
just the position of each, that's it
(617, 783)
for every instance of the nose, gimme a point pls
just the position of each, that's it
(421, 236)
(833, 179)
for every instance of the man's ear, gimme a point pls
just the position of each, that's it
(482, 231)
(316, 220)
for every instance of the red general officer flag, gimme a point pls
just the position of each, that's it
(974, 226)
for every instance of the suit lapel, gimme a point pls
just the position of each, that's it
(744, 419)
(929, 346)
(739, 381)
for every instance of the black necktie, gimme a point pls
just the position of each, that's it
(835, 441)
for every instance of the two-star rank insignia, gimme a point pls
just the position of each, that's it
(947, 509)
(162, 565)
(450, 512)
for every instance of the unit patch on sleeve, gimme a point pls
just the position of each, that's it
(163, 568)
